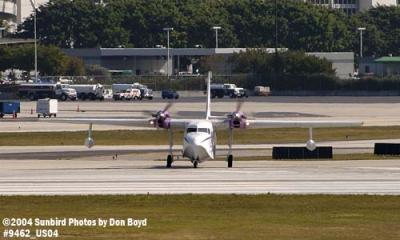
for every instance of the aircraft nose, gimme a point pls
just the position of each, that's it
(194, 140)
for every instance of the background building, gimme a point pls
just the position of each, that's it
(8, 14)
(150, 61)
(352, 6)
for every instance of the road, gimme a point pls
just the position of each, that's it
(94, 175)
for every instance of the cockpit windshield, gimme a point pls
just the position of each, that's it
(204, 130)
(189, 130)
(192, 129)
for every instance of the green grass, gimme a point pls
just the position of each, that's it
(220, 216)
(248, 136)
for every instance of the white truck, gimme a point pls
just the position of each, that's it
(130, 94)
(89, 91)
(145, 92)
(47, 107)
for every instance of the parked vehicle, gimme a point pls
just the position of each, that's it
(89, 91)
(217, 90)
(34, 91)
(130, 94)
(119, 88)
(231, 90)
(7, 107)
(170, 94)
(146, 93)
(47, 107)
(261, 91)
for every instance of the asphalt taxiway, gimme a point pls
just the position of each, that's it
(134, 176)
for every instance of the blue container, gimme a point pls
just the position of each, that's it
(9, 108)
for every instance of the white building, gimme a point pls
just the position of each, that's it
(353, 6)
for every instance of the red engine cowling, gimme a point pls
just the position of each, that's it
(237, 120)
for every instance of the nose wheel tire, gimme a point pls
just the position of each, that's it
(195, 163)
(170, 159)
(230, 161)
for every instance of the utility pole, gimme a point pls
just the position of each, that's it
(33, 3)
(168, 29)
(361, 29)
(216, 28)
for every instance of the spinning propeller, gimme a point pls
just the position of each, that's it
(237, 119)
(162, 119)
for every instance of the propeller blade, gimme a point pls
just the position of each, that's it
(239, 105)
(168, 106)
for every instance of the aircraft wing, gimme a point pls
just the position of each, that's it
(134, 122)
(268, 123)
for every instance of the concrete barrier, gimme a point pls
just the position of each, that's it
(301, 153)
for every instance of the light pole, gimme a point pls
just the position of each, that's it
(2, 29)
(216, 28)
(33, 3)
(168, 29)
(361, 29)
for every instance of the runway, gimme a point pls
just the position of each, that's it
(93, 175)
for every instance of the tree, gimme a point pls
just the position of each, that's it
(74, 67)
(51, 60)
(98, 73)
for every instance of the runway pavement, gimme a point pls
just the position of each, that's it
(140, 176)
(62, 152)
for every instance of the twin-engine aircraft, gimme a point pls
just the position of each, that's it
(199, 142)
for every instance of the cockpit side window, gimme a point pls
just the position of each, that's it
(189, 130)
(204, 130)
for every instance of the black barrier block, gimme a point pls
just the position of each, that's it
(302, 153)
(387, 149)
(278, 153)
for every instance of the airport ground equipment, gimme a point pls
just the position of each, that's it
(89, 91)
(387, 149)
(47, 107)
(9, 108)
(33, 91)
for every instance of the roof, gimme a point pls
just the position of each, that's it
(8, 41)
(388, 60)
(120, 52)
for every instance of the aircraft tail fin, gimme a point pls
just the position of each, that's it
(208, 107)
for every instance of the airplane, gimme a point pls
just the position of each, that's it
(199, 141)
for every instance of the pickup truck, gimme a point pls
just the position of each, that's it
(130, 94)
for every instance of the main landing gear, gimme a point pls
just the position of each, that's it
(170, 157)
(230, 156)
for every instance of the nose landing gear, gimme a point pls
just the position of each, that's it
(170, 159)
(195, 163)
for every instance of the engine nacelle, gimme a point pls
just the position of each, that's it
(89, 142)
(161, 119)
(238, 120)
(311, 145)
